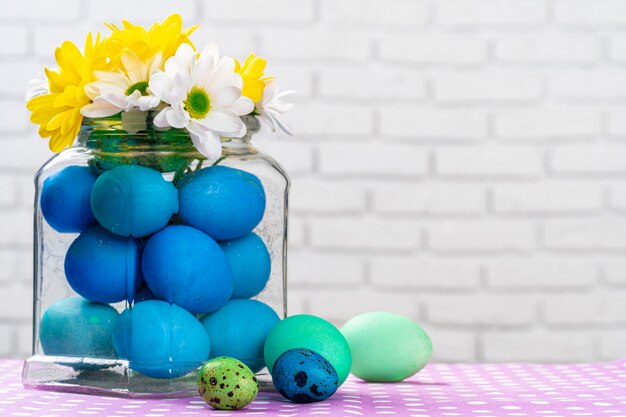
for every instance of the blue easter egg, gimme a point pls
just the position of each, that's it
(223, 202)
(238, 330)
(184, 266)
(251, 264)
(160, 340)
(303, 376)
(65, 199)
(102, 266)
(77, 327)
(132, 200)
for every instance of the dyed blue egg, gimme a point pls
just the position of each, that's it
(160, 340)
(251, 264)
(132, 200)
(223, 202)
(65, 199)
(303, 376)
(184, 266)
(77, 327)
(238, 330)
(102, 266)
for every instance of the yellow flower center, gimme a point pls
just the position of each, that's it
(197, 103)
(141, 86)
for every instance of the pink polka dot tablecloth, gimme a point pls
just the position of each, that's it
(597, 390)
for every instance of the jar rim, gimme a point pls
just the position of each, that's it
(138, 128)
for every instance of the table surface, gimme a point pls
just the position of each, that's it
(596, 389)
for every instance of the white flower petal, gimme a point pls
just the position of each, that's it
(155, 64)
(271, 108)
(223, 122)
(148, 102)
(177, 117)
(223, 74)
(160, 119)
(99, 108)
(113, 78)
(182, 61)
(38, 87)
(211, 50)
(224, 96)
(135, 68)
(281, 122)
(116, 99)
(244, 105)
(206, 142)
(160, 85)
(202, 69)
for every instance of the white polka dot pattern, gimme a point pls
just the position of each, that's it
(504, 390)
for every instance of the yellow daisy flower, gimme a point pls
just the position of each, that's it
(58, 112)
(252, 73)
(163, 37)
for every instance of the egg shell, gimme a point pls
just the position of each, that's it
(310, 332)
(184, 266)
(102, 266)
(227, 384)
(386, 347)
(225, 203)
(77, 327)
(65, 199)
(239, 330)
(303, 376)
(160, 340)
(132, 200)
(250, 262)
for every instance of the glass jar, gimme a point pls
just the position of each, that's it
(148, 262)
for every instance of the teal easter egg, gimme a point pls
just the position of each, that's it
(160, 340)
(223, 202)
(102, 266)
(77, 327)
(239, 330)
(303, 376)
(227, 384)
(183, 265)
(250, 262)
(132, 200)
(386, 347)
(65, 199)
(310, 332)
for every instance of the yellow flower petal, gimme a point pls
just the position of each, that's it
(252, 74)
(58, 112)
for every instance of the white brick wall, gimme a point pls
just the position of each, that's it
(461, 162)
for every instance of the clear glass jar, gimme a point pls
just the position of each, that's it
(89, 335)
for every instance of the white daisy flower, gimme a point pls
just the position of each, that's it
(204, 96)
(114, 92)
(271, 108)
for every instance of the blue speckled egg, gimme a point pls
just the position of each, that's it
(161, 340)
(77, 327)
(132, 200)
(183, 265)
(223, 202)
(65, 199)
(239, 329)
(303, 376)
(102, 266)
(250, 262)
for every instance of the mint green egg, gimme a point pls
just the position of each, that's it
(386, 347)
(313, 333)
